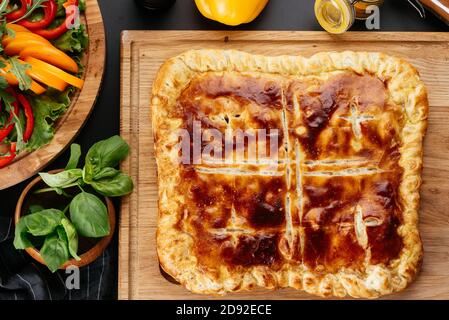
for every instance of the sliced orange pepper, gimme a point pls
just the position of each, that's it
(12, 80)
(37, 88)
(16, 27)
(10, 77)
(24, 36)
(67, 77)
(46, 78)
(51, 55)
(17, 45)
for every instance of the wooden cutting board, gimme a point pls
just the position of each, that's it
(142, 54)
(70, 123)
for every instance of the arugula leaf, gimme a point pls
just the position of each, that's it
(4, 7)
(75, 154)
(19, 130)
(19, 70)
(3, 83)
(35, 5)
(7, 100)
(10, 32)
(74, 40)
(55, 252)
(19, 120)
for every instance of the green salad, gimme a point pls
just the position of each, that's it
(43, 42)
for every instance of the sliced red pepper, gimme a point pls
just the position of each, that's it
(29, 116)
(4, 161)
(19, 13)
(50, 10)
(4, 132)
(55, 33)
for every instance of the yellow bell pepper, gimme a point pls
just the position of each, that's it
(56, 72)
(16, 27)
(51, 55)
(231, 12)
(46, 78)
(17, 45)
(24, 36)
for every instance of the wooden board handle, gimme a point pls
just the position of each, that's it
(439, 7)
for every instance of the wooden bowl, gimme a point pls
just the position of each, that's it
(90, 255)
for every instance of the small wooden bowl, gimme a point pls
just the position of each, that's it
(86, 258)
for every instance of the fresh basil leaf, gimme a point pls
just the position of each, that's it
(54, 252)
(35, 208)
(21, 240)
(72, 237)
(44, 222)
(62, 179)
(61, 233)
(89, 215)
(75, 154)
(105, 153)
(36, 241)
(116, 186)
(88, 172)
(106, 173)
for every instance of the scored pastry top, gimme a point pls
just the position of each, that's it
(294, 175)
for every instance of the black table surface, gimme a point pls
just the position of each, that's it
(120, 15)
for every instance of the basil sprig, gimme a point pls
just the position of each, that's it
(98, 171)
(51, 228)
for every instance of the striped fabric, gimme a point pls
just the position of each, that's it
(23, 278)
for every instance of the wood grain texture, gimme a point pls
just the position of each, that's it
(68, 126)
(142, 54)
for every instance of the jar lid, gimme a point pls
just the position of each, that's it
(335, 16)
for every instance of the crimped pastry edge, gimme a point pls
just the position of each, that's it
(174, 247)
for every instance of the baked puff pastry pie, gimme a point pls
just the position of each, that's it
(329, 202)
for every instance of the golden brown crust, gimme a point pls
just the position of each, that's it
(176, 246)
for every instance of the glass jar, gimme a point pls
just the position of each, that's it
(337, 16)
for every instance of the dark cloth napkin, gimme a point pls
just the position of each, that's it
(23, 278)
